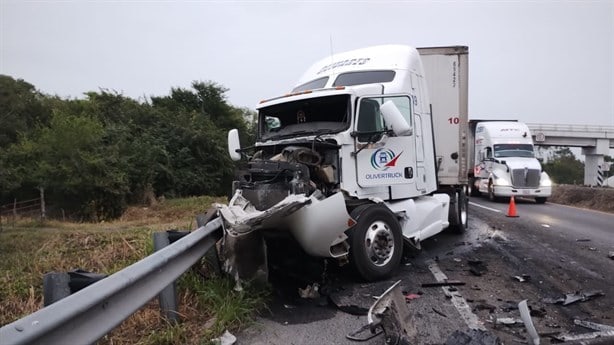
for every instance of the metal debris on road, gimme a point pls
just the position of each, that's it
(390, 312)
(439, 312)
(525, 315)
(354, 335)
(574, 297)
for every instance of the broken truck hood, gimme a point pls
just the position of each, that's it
(241, 217)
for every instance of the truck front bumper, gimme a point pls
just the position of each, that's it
(508, 191)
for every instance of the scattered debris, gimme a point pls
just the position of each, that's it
(593, 325)
(390, 313)
(592, 249)
(508, 321)
(439, 312)
(525, 315)
(522, 278)
(225, 339)
(583, 240)
(457, 260)
(485, 306)
(603, 331)
(574, 297)
(411, 296)
(611, 255)
(477, 267)
(289, 306)
(310, 291)
(354, 335)
(473, 337)
(444, 283)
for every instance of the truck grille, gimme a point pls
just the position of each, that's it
(525, 178)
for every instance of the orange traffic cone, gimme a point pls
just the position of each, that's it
(511, 210)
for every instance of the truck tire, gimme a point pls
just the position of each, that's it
(458, 212)
(376, 242)
(540, 200)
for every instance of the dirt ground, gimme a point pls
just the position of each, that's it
(594, 198)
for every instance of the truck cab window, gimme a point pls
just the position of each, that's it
(370, 120)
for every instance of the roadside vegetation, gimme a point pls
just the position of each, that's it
(95, 155)
(208, 303)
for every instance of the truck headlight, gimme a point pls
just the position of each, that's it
(545, 181)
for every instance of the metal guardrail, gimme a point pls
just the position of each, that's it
(89, 314)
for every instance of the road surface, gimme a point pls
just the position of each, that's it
(558, 250)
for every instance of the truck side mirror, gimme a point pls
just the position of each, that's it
(234, 146)
(394, 119)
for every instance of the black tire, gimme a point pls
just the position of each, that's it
(376, 242)
(458, 214)
(540, 200)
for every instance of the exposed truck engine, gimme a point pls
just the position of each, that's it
(346, 164)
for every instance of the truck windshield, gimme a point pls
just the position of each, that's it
(514, 150)
(319, 115)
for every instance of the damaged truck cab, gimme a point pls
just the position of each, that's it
(346, 163)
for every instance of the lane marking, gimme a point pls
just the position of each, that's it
(458, 301)
(484, 207)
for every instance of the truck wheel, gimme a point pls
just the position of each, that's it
(541, 200)
(376, 243)
(458, 212)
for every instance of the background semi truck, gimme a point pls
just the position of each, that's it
(356, 160)
(504, 162)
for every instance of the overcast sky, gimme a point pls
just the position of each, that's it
(536, 61)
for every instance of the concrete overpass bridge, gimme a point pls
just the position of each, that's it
(595, 141)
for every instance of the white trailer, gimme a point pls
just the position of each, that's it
(346, 164)
(504, 162)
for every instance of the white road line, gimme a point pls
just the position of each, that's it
(458, 301)
(484, 207)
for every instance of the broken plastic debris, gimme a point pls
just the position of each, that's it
(523, 278)
(508, 321)
(310, 291)
(411, 296)
(226, 339)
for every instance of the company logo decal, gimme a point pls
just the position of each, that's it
(383, 159)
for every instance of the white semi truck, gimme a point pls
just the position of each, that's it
(357, 158)
(504, 162)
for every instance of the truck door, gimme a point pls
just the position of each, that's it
(382, 158)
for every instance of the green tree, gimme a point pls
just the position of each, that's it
(564, 168)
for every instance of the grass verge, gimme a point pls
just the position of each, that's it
(208, 304)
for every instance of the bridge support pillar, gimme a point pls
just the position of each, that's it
(593, 164)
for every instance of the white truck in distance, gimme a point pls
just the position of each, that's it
(505, 163)
(346, 164)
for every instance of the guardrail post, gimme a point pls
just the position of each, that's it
(55, 287)
(168, 296)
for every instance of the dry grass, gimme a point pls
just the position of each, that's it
(600, 199)
(30, 249)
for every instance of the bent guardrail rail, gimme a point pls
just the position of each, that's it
(87, 315)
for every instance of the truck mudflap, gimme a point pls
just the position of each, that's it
(318, 225)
